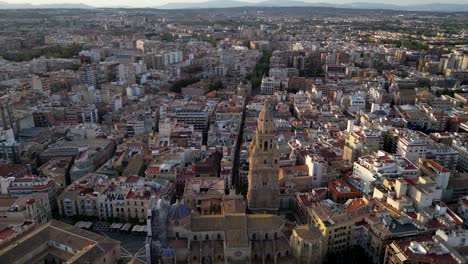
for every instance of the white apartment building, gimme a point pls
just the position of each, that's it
(270, 85)
(369, 169)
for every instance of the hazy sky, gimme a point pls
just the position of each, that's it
(143, 3)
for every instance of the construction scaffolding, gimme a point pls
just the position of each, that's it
(156, 241)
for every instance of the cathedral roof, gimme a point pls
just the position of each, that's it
(236, 221)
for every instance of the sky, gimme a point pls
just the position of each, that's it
(143, 3)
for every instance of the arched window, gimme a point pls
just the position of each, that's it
(265, 146)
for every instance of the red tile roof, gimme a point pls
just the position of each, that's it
(152, 170)
(6, 233)
(423, 258)
(434, 164)
(433, 223)
(132, 179)
(464, 201)
(412, 215)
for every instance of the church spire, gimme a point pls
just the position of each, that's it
(266, 123)
(263, 190)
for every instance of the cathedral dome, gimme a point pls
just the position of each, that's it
(178, 211)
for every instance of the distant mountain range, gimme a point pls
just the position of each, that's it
(6, 5)
(233, 3)
(297, 3)
(436, 7)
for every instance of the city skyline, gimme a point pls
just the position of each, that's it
(233, 133)
(151, 3)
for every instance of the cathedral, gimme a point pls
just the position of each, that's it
(263, 190)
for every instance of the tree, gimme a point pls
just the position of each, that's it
(261, 68)
(215, 86)
(179, 84)
(52, 52)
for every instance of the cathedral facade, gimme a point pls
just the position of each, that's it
(263, 187)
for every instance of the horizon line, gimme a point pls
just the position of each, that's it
(248, 4)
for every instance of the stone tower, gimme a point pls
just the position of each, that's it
(263, 191)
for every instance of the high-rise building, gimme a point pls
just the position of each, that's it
(9, 148)
(263, 188)
(92, 75)
(41, 84)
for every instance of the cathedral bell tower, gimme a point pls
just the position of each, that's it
(263, 190)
